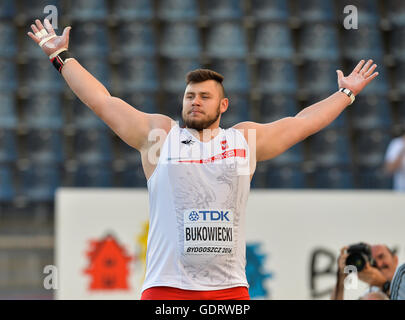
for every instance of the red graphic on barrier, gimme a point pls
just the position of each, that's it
(108, 265)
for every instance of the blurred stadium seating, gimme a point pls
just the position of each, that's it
(277, 57)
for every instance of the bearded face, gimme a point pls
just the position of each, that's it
(202, 105)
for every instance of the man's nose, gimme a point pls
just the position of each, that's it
(196, 101)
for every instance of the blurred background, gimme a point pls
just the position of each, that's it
(277, 58)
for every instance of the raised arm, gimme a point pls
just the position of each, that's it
(276, 137)
(130, 124)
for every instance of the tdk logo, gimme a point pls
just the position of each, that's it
(209, 215)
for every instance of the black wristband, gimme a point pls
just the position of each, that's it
(59, 60)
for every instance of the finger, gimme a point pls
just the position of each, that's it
(35, 30)
(49, 27)
(34, 37)
(41, 28)
(339, 74)
(371, 78)
(366, 67)
(66, 33)
(370, 71)
(359, 65)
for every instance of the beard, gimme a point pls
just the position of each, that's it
(201, 124)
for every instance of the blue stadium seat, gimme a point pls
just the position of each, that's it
(236, 74)
(333, 178)
(135, 39)
(330, 148)
(140, 10)
(142, 101)
(7, 9)
(368, 11)
(178, 10)
(395, 12)
(8, 110)
(399, 82)
(89, 40)
(44, 146)
(238, 110)
(138, 74)
(180, 40)
(8, 146)
(7, 188)
(277, 106)
(277, 76)
(319, 41)
(273, 40)
(291, 157)
(173, 105)
(8, 74)
(319, 77)
(270, 10)
(99, 176)
(364, 43)
(132, 174)
(341, 122)
(316, 10)
(401, 112)
(397, 43)
(133, 177)
(43, 111)
(99, 68)
(371, 112)
(174, 72)
(89, 10)
(226, 40)
(370, 147)
(8, 39)
(84, 118)
(39, 182)
(41, 76)
(223, 9)
(92, 146)
(285, 177)
(372, 177)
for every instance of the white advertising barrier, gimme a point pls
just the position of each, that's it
(293, 240)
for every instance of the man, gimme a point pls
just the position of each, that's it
(379, 277)
(198, 176)
(395, 161)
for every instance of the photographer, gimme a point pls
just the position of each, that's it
(377, 270)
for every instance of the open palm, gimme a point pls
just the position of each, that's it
(55, 43)
(360, 77)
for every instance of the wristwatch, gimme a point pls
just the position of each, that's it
(386, 286)
(349, 93)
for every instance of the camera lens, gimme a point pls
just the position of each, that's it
(357, 260)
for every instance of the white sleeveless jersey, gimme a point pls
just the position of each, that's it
(197, 197)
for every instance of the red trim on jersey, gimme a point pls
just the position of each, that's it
(170, 293)
(226, 154)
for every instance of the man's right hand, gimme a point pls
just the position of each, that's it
(53, 45)
(342, 261)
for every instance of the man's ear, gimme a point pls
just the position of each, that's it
(224, 105)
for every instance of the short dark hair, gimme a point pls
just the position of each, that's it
(201, 75)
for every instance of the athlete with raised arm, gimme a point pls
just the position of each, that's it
(199, 176)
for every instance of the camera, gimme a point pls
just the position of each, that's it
(359, 255)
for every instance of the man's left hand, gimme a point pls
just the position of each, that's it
(361, 76)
